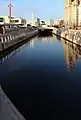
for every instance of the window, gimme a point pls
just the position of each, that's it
(14, 21)
(1, 19)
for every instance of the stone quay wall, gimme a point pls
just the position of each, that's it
(16, 36)
(71, 35)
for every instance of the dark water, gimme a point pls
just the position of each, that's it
(43, 79)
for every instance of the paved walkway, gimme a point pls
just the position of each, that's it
(7, 109)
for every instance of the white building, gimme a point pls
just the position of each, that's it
(28, 21)
(51, 21)
(37, 22)
(5, 19)
(18, 21)
(56, 22)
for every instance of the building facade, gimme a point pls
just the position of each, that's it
(79, 14)
(72, 12)
(37, 22)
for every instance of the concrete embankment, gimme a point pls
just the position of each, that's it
(57, 31)
(7, 110)
(14, 37)
(73, 36)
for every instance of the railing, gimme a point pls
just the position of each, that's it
(15, 36)
(16, 32)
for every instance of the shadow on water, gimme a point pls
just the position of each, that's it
(45, 34)
(42, 88)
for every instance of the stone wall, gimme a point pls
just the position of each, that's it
(14, 37)
(72, 35)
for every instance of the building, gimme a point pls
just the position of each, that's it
(79, 14)
(37, 22)
(18, 21)
(51, 22)
(71, 12)
(6, 19)
(56, 22)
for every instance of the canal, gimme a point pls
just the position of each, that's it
(43, 78)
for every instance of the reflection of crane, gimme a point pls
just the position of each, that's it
(10, 10)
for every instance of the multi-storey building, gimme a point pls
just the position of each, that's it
(72, 12)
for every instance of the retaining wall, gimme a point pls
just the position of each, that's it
(7, 110)
(13, 38)
(73, 36)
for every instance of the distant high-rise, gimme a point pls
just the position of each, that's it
(33, 18)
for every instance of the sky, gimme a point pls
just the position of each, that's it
(44, 9)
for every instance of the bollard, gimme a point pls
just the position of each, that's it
(5, 39)
(10, 37)
(16, 37)
(2, 42)
(2, 39)
(13, 38)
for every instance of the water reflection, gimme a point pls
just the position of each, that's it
(32, 42)
(72, 54)
(6, 55)
(37, 81)
(56, 37)
(47, 40)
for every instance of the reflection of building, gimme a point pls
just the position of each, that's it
(32, 43)
(44, 39)
(48, 39)
(72, 54)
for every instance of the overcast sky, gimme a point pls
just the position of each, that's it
(45, 9)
